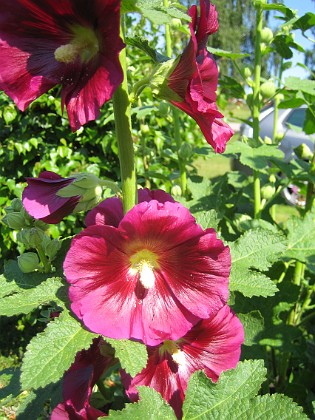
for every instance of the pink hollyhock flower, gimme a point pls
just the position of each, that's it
(192, 82)
(50, 197)
(213, 345)
(44, 43)
(78, 382)
(110, 211)
(151, 278)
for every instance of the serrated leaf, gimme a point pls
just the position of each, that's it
(256, 250)
(304, 85)
(237, 384)
(150, 407)
(256, 158)
(143, 45)
(51, 353)
(22, 301)
(133, 356)
(233, 397)
(305, 22)
(207, 219)
(253, 324)
(301, 238)
(22, 280)
(155, 11)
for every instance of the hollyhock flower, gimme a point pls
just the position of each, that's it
(50, 197)
(191, 80)
(213, 345)
(110, 211)
(74, 44)
(78, 382)
(151, 278)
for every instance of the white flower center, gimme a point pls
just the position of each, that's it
(144, 262)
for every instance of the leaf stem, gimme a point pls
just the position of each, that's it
(122, 113)
(44, 260)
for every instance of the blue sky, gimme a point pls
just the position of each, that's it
(302, 6)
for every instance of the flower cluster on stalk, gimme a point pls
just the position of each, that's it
(152, 275)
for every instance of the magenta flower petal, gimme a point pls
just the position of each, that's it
(195, 79)
(78, 383)
(76, 45)
(41, 201)
(110, 211)
(213, 345)
(151, 278)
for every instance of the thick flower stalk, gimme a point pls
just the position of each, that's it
(191, 81)
(74, 44)
(78, 383)
(50, 197)
(213, 345)
(151, 278)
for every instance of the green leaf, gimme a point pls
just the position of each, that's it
(21, 301)
(133, 356)
(309, 123)
(301, 238)
(207, 219)
(256, 158)
(143, 45)
(253, 324)
(52, 352)
(305, 22)
(304, 85)
(233, 397)
(255, 251)
(217, 400)
(150, 407)
(226, 54)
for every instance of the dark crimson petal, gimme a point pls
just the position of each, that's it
(204, 84)
(41, 201)
(108, 212)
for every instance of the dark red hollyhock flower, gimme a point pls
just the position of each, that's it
(150, 276)
(78, 382)
(110, 211)
(74, 43)
(50, 197)
(195, 78)
(213, 345)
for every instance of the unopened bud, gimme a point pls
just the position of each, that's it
(267, 191)
(28, 262)
(176, 191)
(14, 220)
(267, 140)
(268, 89)
(303, 152)
(185, 151)
(247, 72)
(266, 35)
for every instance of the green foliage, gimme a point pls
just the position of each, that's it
(132, 355)
(234, 396)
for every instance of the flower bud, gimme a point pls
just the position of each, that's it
(145, 129)
(28, 262)
(185, 151)
(268, 89)
(267, 140)
(272, 179)
(266, 35)
(247, 72)
(303, 152)
(31, 237)
(176, 191)
(51, 248)
(14, 220)
(267, 191)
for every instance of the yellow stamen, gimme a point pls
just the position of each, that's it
(144, 262)
(173, 349)
(84, 45)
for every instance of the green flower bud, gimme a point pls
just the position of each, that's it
(266, 35)
(272, 179)
(247, 72)
(51, 248)
(268, 89)
(267, 191)
(303, 152)
(159, 79)
(185, 151)
(14, 220)
(31, 237)
(267, 140)
(176, 23)
(144, 128)
(176, 191)
(28, 262)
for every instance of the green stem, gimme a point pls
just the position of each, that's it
(310, 188)
(44, 260)
(178, 139)
(257, 105)
(122, 113)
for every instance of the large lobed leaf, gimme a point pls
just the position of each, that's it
(52, 352)
(234, 397)
(253, 252)
(301, 238)
(132, 355)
